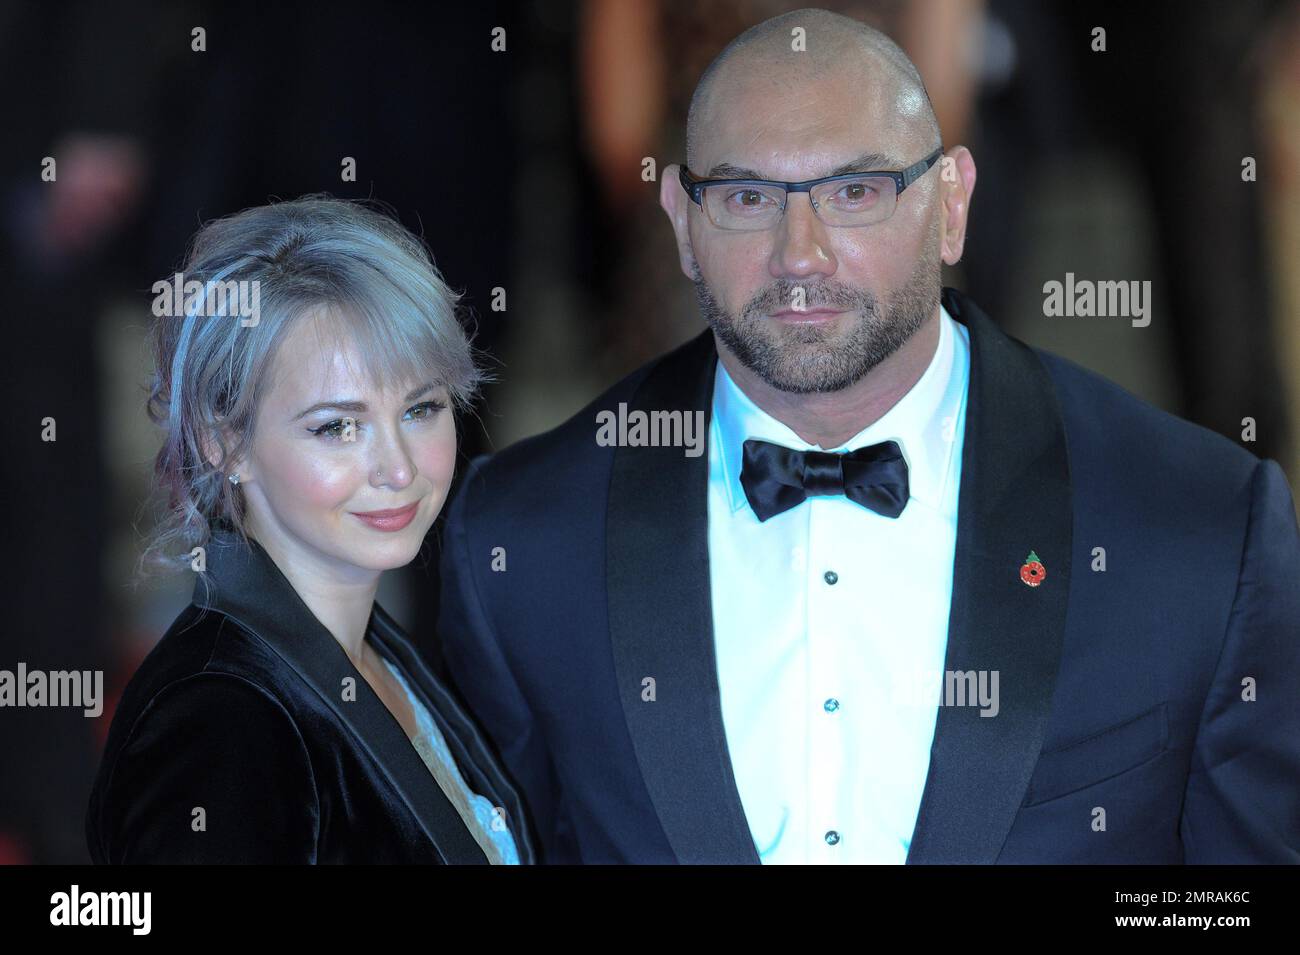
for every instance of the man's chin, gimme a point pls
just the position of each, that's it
(807, 370)
(820, 334)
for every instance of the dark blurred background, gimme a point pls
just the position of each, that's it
(522, 170)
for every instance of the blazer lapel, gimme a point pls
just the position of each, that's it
(661, 621)
(1015, 498)
(245, 584)
(478, 765)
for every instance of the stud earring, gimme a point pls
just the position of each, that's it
(234, 479)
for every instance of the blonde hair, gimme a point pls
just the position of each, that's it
(211, 371)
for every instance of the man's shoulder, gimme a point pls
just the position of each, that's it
(1114, 434)
(570, 450)
(1110, 428)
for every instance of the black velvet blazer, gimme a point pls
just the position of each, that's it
(234, 742)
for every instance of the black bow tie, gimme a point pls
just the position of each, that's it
(777, 478)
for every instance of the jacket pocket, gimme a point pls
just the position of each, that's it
(1098, 757)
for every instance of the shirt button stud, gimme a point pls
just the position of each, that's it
(831, 705)
(832, 837)
(830, 577)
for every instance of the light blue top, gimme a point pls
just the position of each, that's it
(431, 745)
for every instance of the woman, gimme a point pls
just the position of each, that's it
(309, 445)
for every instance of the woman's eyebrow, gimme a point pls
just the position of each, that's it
(349, 404)
(334, 404)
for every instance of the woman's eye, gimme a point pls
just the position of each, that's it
(335, 429)
(426, 409)
(345, 428)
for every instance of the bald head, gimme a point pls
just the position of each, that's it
(831, 45)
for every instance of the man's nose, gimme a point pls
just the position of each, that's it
(802, 247)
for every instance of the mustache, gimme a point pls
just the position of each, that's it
(781, 295)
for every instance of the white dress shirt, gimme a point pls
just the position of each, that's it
(827, 619)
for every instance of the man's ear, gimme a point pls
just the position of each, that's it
(674, 201)
(956, 184)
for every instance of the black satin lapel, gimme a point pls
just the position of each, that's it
(661, 621)
(1015, 498)
(468, 747)
(250, 588)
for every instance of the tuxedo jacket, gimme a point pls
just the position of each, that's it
(1149, 710)
(240, 711)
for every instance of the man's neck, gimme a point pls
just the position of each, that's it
(830, 419)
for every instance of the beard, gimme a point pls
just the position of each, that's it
(814, 359)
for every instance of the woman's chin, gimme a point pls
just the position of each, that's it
(386, 550)
(388, 555)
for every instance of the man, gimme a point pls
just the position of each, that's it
(931, 596)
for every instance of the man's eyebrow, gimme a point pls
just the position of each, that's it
(867, 162)
(726, 170)
(347, 404)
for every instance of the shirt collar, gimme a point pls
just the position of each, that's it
(923, 422)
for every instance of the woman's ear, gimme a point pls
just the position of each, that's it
(217, 445)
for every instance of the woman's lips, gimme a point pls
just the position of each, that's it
(390, 520)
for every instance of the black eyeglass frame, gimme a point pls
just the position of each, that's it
(902, 179)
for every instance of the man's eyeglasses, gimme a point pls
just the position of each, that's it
(853, 199)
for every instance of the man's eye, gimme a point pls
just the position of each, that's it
(749, 198)
(857, 193)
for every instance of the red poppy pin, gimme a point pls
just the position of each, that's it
(1033, 572)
